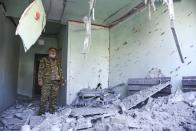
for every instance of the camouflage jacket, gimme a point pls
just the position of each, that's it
(50, 70)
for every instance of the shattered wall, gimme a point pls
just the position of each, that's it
(26, 65)
(138, 45)
(9, 57)
(86, 72)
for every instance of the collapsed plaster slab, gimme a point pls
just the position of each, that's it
(89, 111)
(142, 95)
(169, 113)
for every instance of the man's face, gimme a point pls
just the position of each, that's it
(52, 53)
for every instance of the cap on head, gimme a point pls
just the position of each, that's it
(52, 49)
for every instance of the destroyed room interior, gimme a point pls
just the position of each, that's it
(97, 65)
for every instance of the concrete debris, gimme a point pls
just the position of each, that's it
(89, 111)
(55, 128)
(189, 98)
(2, 126)
(19, 116)
(83, 123)
(170, 113)
(138, 84)
(159, 114)
(16, 116)
(25, 128)
(66, 111)
(120, 89)
(95, 98)
(35, 120)
(59, 121)
(142, 95)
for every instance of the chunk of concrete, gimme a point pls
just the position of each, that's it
(35, 120)
(95, 97)
(66, 112)
(89, 111)
(133, 100)
(2, 125)
(25, 128)
(83, 123)
(55, 128)
(19, 116)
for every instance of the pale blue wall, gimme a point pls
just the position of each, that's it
(137, 45)
(86, 72)
(9, 55)
(63, 43)
(15, 8)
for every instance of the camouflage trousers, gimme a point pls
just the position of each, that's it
(49, 94)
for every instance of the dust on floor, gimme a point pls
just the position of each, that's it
(170, 113)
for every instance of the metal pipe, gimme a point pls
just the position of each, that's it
(177, 44)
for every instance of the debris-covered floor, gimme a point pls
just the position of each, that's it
(14, 117)
(168, 113)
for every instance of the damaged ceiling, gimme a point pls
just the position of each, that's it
(106, 11)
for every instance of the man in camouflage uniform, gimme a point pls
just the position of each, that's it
(50, 78)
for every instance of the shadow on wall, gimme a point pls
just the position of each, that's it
(9, 57)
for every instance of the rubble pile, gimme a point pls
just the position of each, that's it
(16, 116)
(169, 113)
(161, 114)
(95, 97)
(138, 97)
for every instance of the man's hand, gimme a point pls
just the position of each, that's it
(40, 83)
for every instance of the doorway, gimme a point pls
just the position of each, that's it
(37, 89)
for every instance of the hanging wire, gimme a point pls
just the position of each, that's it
(87, 22)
